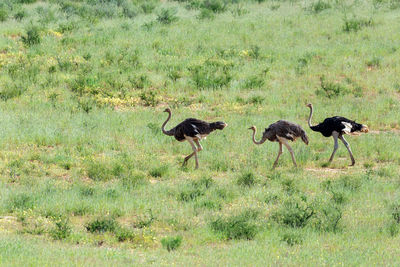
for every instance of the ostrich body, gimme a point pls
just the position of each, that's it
(337, 127)
(281, 131)
(192, 130)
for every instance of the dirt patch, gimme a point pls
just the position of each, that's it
(396, 131)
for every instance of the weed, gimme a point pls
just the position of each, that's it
(149, 98)
(158, 172)
(32, 36)
(20, 201)
(101, 225)
(167, 16)
(355, 24)
(393, 229)
(190, 194)
(292, 238)
(145, 221)
(374, 62)
(3, 14)
(319, 6)
(123, 234)
(331, 90)
(62, 229)
(327, 218)
(236, 227)
(294, 213)
(246, 179)
(171, 242)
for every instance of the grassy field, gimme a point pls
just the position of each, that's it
(88, 178)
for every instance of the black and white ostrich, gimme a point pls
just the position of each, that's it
(282, 131)
(192, 130)
(337, 127)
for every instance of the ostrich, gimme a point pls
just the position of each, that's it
(192, 130)
(337, 127)
(281, 131)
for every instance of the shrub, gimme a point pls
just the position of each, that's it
(319, 6)
(212, 74)
(206, 14)
(149, 98)
(294, 213)
(101, 225)
(253, 82)
(159, 171)
(246, 179)
(393, 229)
(396, 212)
(330, 89)
(374, 62)
(20, 14)
(216, 6)
(133, 180)
(32, 36)
(292, 238)
(237, 227)
(122, 234)
(327, 218)
(167, 16)
(190, 194)
(20, 201)
(172, 242)
(11, 90)
(355, 24)
(147, 7)
(3, 14)
(97, 171)
(62, 229)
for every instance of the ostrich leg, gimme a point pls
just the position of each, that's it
(335, 136)
(190, 140)
(279, 154)
(284, 141)
(199, 148)
(348, 148)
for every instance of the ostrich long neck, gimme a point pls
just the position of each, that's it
(170, 133)
(309, 118)
(254, 138)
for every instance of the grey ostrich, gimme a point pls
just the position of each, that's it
(192, 130)
(337, 127)
(282, 131)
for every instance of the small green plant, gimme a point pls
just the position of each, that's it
(294, 212)
(240, 226)
(190, 194)
(101, 225)
(32, 36)
(206, 14)
(374, 62)
(20, 14)
(216, 6)
(158, 172)
(246, 179)
(171, 242)
(123, 234)
(20, 201)
(356, 24)
(331, 90)
(3, 14)
(292, 238)
(62, 229)
(149, 98)
(319, 6)
(167, 16)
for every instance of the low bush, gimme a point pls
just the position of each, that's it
(101, 225)
(172, 242)
(123, 234)
(167, 16)
(62, 229)
(246, 179)
(241, 226)
(32, 36)
(294, 212)
(292, 238)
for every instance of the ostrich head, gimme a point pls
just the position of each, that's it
(220, 125)
(309, 105)
(253, 128)
(167, 110)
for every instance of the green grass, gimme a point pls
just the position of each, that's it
(87, 177)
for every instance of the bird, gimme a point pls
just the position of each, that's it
(192, 130)
(281, 131)
(337, 127)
